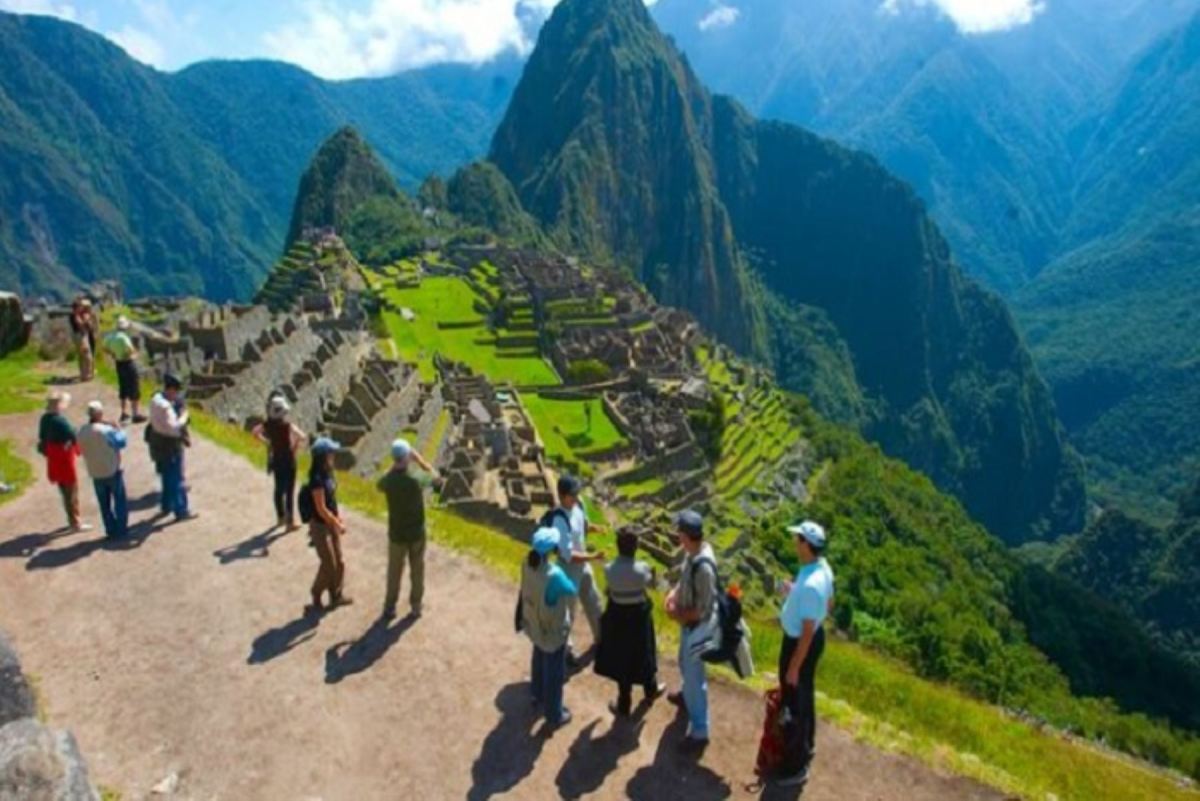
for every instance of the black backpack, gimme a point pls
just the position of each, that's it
(729, 618)
(547, 520)
(304, 504)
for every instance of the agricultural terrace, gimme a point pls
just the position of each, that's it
(449, 315)
(570, 432)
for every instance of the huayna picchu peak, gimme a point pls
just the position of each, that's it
(614, 145)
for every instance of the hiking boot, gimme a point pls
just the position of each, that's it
(79, 528)
(618, 710)
(389, 613)
(564, 720)
(139, 418)
(416, 612)
(693, 746)
(657, 692)
(124, 418)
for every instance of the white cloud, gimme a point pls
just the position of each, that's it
(48, 8)
(141, 45)
(977, 16)
(391, 35)
(721, 16)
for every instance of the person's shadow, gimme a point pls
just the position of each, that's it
(281, 639)
(675, 775)
(512, 748)
(26, 545)
(256, 547)
(591, 759)
(347, 658)
(61, 557)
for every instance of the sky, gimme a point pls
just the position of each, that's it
(356, 38)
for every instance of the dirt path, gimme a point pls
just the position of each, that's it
(184, 651)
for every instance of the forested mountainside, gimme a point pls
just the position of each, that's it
(639, 164)
(183, 182)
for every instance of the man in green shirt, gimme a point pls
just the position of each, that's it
(404, 487)
(120, 346)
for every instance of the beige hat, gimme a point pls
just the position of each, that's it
(57, 401)
(123, 323)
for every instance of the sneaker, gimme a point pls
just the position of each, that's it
(389, 613)
(186, 516)
(617, 711)
(797, 779)
(659, 689)
(415, 612)
(139, 418)
(693, 745)
(80, 528)
(280, 522)
(675, 698)
(565, 719)
(124, 418)
(342, 600)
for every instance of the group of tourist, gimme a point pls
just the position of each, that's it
(625, 641)
(557, 576)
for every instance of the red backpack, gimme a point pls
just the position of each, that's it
(771, 744)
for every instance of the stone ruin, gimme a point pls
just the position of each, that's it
(14, 328)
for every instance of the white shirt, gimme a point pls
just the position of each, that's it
(163, 418)
(572, 531)
(809, 598)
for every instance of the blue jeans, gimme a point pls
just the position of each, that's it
(695, 687)
(549, 673)
(110, 495)
(174, 495)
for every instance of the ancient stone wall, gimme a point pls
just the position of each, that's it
(223, 332)
(14, 333)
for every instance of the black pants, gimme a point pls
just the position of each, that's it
(800, 703)
(625, 694)
(285, 490)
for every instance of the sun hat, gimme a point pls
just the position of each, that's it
(401, 450)
(123, 323)
(95, 407)
(279, 406)
(325, 445)
(690, 522)
(58, 400)
(545, 540)
(812, 533)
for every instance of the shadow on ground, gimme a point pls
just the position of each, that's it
(591, 759)
(347, 658)
(255, 547)
(674, 774)
(281, 639)
(512, 748)
(49, 558)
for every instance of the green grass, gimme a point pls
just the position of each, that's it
(14, 471)
(23, 381)
(447, 299)
(639, 489)
(563, 426)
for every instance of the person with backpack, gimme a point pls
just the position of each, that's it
(544, 614)
(692, 603)
(282, 439)
(404, 488)
(318, 506)
(167, 436)
(628, 650)
(570, 519)
(809, 600)
(58, 443)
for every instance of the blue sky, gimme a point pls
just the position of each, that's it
(355, 38)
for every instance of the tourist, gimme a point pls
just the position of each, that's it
(83, 331)
(119, 344)
(58, 443)
(570, 518)
(628, 651)
(282, 439)
(545, 617)
(404, 488)
(167, 436)
(326, 527)
(809, 600)
(692, 603)
(102, 443)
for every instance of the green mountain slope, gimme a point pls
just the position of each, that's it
(636, 162)
(183, 183)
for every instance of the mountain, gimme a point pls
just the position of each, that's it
(479, 195)
(1114, 322)
(1150, 572)
(612, 143)
(184, 182)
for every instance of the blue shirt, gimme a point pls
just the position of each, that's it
(558, 584)
(809, 598)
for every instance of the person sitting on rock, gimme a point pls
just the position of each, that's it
(58, 443)
(282, 439)
(545, 617)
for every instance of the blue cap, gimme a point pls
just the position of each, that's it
(569, 485)
(690, 522)
(812, 532)
(401, 449)
(325, 445)
(545, 540)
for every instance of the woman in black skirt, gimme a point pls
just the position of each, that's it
(628, 653)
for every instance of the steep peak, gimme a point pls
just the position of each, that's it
(343, 175)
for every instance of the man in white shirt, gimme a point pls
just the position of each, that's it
(101, 443)
(167, 436)
(809, 600)
(571, 521)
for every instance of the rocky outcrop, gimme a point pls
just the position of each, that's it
(13, 331)
(36, 762)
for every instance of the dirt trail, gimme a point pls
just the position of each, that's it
(184, 651)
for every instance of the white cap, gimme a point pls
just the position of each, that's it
(279, 406)
(95, 407)
(401, 449)
(812, 532)
(123, 322)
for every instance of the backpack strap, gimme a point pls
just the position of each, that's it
(704, 560)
